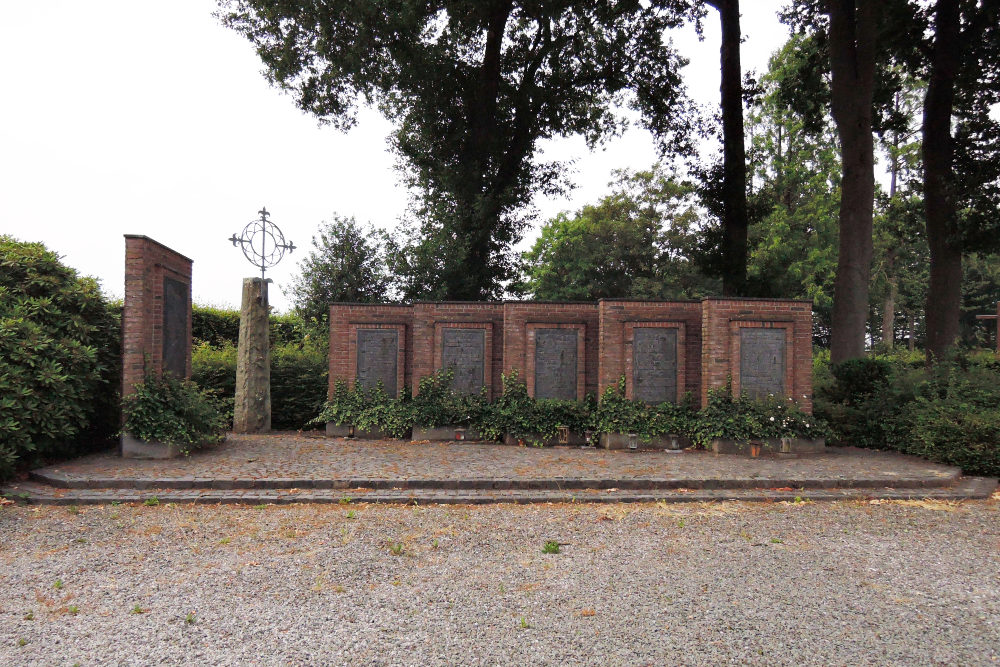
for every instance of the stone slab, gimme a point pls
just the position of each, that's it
(762, 362)
(464, 351)
(654, 364)
(771, 446)
(444, 433)
(378, 359)
(556, 363)
(662, 442)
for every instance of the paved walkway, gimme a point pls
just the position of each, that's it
(294, 467)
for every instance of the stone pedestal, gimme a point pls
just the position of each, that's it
(252, 410)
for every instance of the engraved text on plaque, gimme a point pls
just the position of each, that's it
(762, 362)
(377, 358)
(464, 351)
(175, 327)
(556, 363)
(654, 364)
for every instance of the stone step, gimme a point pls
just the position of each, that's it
(60, 480)
(965, 488)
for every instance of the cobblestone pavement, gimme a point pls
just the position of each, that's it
(297, 457)
(839, 583)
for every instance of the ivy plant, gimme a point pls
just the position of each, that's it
(172, 411)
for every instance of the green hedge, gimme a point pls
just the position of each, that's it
(219, 327)
(299, 374)
(59, 358)
(949, 413)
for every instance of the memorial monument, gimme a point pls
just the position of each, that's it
(263, 245)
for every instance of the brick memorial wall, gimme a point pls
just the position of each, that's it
(156, 316)
(664, 349)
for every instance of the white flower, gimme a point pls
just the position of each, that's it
(772, 418)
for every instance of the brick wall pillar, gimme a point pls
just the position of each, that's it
(156, 318)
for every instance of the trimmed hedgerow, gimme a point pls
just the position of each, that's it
(298, 379)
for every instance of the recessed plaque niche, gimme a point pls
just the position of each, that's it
(378, 351)
(175, 327)
(762, 362)
(556, 363)
(654, 364)
(464, 351)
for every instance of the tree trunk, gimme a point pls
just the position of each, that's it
(734, 182)
(944, 292)
(852, 58)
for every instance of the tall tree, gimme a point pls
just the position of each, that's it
(472, 88)
(734, 168)
(853, 31)
(795, 168)
(347, 263)
(961, 187)
(636, 242)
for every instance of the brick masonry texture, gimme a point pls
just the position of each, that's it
(147, 264)
(708, 354)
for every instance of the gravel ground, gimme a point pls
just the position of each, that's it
(827, 583)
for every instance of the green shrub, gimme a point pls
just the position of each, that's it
(344, 406)
(59, 350)
(299, 383)
(214, 368)
(217, 327)
(948, 414)
(617, 414)
(438, 404)
(299, 373)
(381, 412)
(742, 418)
(173, 411)
(522, 416)
(220, 327)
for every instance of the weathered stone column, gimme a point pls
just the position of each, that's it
(252, 412)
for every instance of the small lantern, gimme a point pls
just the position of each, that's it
(633, 441)
(459, 434)
(350, 431)
(675, 446)
(588, 438)
(563, 434)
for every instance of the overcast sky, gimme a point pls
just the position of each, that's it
(142, 117)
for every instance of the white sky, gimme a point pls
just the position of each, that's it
(142, 117)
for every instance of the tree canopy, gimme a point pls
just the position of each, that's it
(472, 87)
(347, 263)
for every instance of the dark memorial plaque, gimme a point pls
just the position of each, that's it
(464, 351)
(377, 358)
(175, 327)
(654, 364)
(762, 362)
(555, 363)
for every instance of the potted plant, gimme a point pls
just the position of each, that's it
(166, 417)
